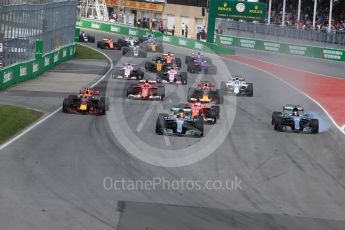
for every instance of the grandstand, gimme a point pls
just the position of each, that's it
(302, 21)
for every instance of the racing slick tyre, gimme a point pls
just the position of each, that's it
(122, 42)
(178, 62)
(81, 38)
(184, 78)
(250, 90)
(314, 124)
(278, 124)
(117, 72)
(125, 51)
(274, 116)
(159, 78)
(130, 90)
(190, 94)
(72, 97)
(216, 109)
(101, 106)
(187, 59)
(140, 75)
(160, 123)
(213, 115)
(219, 96)
(161, 92)
(91, 38)
(223, 87)
(66, 105)
(199, 125)
(149, 66)
(191, 68)
(100, 45)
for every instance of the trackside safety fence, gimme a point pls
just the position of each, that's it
(283, 48)
(24, 71)
(169, 39)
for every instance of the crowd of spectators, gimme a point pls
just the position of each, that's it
(306, 17)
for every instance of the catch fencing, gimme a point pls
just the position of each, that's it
(23, 22)
(287, 34)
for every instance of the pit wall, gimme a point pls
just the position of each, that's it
(169, 39)
(27, 70)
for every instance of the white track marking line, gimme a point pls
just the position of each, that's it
(287, 67)
(166, 138)
(45, 118)
(146, 116)
(298, 90)
(28, 129)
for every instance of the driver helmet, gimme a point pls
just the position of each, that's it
(181, 113)
(198, 103)
(295, 112)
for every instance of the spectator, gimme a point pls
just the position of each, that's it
(173, 30)
(186, 31)
(198, 33)
(183, 28)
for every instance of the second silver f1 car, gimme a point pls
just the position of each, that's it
(294, 119)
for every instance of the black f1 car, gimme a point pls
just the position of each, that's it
(180, 124)
(88, 101)
(294, 119)
(205, 92)
(128, 71)
(83, 37)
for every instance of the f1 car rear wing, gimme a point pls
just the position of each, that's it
(206, 83)
(90, 91)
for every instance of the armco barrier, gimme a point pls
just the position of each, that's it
(283, 48)
(173, 40)
(30, 69)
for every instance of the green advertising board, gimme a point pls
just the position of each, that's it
(137, 32)
(282, 48)
(19, 72)
(249, 11)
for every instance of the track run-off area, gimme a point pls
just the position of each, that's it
(53, 176)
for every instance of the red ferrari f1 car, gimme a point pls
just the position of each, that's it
(146, 90)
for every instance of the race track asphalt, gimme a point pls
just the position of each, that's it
(53, 177)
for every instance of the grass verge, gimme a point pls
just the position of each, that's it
(83, 52)
(14, 119)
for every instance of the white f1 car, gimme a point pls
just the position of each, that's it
(128, 71)
(134, 51)
(237, 86)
